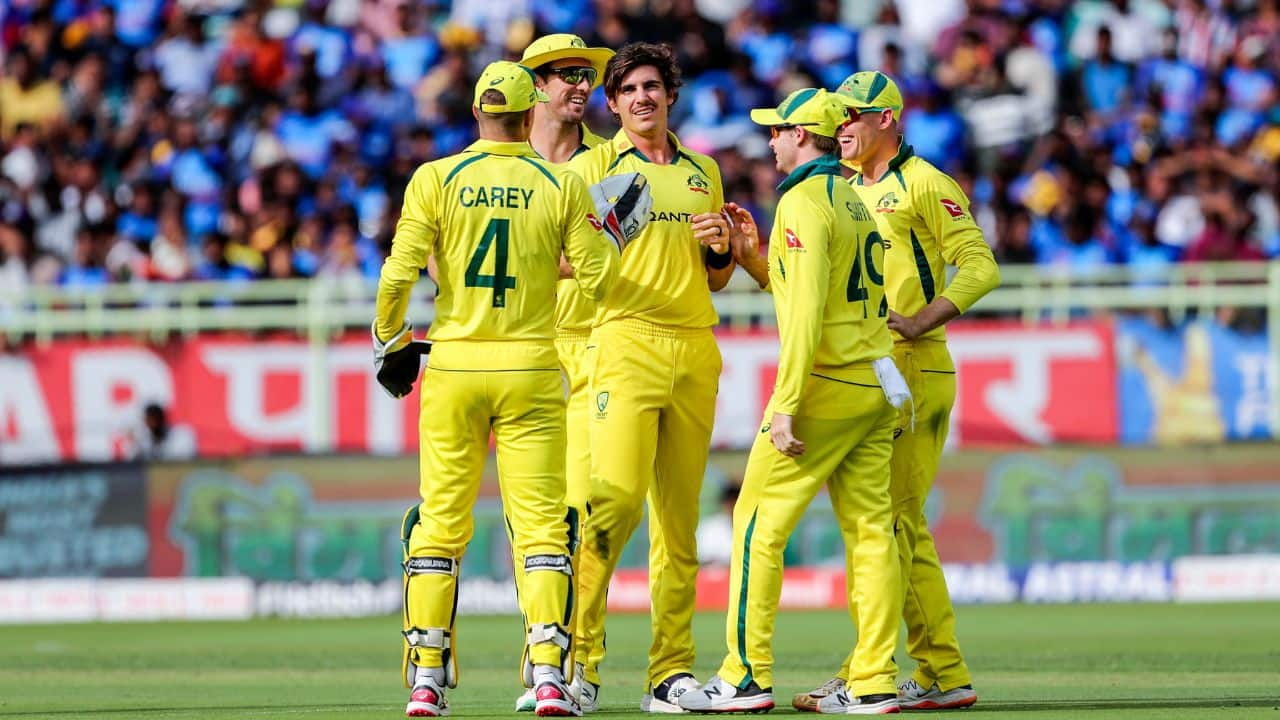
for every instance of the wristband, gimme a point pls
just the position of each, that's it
(718, 261)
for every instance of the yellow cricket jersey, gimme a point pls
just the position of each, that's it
(924, 220)
(574, 311)
(497, 218)
(663, 278)
(825, 265)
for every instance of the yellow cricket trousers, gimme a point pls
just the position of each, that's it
(847, 428)
(525, 410)
(653, 399)
(930, 618)
(571, 349)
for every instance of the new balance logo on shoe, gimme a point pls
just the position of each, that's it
(719, 696)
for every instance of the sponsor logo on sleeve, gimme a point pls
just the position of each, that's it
(952, 207)
(793, 240)
(595, 222)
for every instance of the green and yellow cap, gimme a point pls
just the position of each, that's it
(871, 90)
(515, 81)
(550, 48)
(813, 109)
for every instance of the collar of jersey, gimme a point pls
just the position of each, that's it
(905, 153)
(493, 147)
(623, 145)
(825, 165)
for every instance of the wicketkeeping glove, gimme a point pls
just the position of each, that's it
(623, 202)
(396, 370)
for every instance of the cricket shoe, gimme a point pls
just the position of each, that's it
(718, 696)
(914, 697)
(841, 702)
(527, 701)
(808, 702)
(427, 700)
(665, 697)
(587, 692)
(554, 699)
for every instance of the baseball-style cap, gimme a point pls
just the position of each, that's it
(515, 81)
(871, 90)
(549, 48)
(814, 109)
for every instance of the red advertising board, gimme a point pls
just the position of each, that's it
(1033, 385)
(234, 395)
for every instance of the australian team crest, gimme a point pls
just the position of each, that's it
(888, 203)
(602, 402)
(699, 184)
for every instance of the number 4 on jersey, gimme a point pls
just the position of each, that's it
(499, 230)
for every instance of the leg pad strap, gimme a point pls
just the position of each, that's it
(556, 563)
(431, 566)
(437, 638)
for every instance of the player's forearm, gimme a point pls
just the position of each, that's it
(794, 367)
(936, 314)
(597, 273)
(717, 278)
(759, 271)
(594, 260)
(799, 337)
(395, 283)
(392, 305)
(976, 275)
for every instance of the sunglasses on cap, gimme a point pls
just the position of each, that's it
(574, 74)
(775, 130)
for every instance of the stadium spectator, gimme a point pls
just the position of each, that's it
(25, 97)
(186, 61)
(157, 438)
(270, 124)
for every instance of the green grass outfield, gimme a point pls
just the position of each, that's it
(1035, 661)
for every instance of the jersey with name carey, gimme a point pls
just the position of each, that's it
(497, 218)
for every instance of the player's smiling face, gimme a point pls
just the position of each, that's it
(861, 135)
(642, 102)
(568, 101)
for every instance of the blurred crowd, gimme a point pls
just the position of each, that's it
(223, 139)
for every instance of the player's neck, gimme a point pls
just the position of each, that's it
(878, 165)
(655, 146)
(555, 140)
(804, 156)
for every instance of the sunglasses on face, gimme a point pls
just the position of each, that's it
(575, 74)
(854, 113)
(776, 130)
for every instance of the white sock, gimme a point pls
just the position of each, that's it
(546, 673)
(434, 674)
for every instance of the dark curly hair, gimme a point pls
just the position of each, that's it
(639, 54)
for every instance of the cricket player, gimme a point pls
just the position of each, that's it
(830, 420)
(496, 219)
(568, 71)
(655, 370)
(925, 222)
